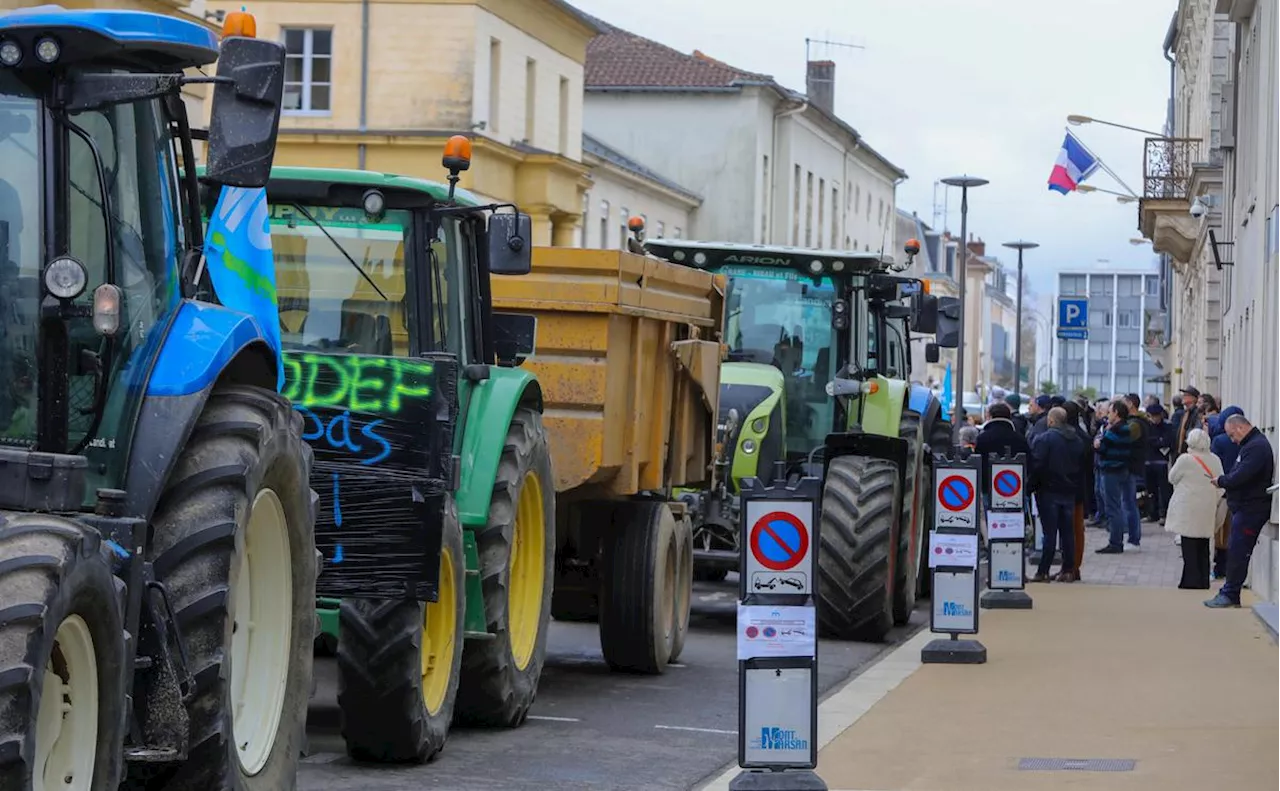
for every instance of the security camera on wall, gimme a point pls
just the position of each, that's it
(1198, 208)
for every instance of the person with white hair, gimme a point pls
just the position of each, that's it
(1193, 508)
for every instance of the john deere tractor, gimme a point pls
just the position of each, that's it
(817, 376)
(157, 560)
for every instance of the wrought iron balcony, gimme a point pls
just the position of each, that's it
(1166, 167)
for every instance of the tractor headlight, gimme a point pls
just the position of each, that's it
(748, 446)
(700, 259)
(10, 53)
(758, 425)
(65, 277)
(48, 50)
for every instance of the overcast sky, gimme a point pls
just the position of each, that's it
(945, 87)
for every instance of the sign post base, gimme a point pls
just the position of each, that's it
(954, 652)
(1005, 600)
(790, 780)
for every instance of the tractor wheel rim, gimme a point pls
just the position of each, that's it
(439, 637)
(67, 722)
(524, 597)
(262, 633)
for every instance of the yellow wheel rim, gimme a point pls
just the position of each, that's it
(524, 593)
(439, 636)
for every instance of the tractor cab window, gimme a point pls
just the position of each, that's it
(781, 318)
(341, 279)
(122, 197)
(20, 261)
(453, 288)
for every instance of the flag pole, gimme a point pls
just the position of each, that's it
(1102, 165)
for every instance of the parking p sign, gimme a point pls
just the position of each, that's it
(1073, 318)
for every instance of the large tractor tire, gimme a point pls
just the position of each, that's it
(641, 588)
(910, 525)
(234, 544)
(399, 662)
(684, 586)
(517, 565)
(709, 574)
(62, 658)
(855, 585)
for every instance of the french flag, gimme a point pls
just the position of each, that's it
(1075, 164)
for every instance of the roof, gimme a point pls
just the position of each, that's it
(621, 59)
(165, 41)
(366, 178)
(613, 156)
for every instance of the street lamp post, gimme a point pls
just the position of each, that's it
(957, 382)
(1019, 245)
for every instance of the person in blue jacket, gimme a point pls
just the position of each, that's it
(1057, 455)
(1246, 487)
(1226, 450)
(1115, 453)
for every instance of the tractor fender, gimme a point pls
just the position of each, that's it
(882, 410)
(923, 401)
(918, 399)
(493, 403)
(205, 344)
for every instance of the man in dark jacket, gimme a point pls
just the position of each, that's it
(1250, 503)
(1185, 418)
(1226, 450)
(1055, 480)
(1085, 490)
(1115, 454)
(1038, 414)
(1159, 446)
(999, 436)
(1019, 420)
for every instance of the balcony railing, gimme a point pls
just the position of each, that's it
(1166, 167)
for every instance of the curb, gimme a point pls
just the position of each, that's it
(1269, 614)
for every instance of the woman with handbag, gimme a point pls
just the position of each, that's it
(1193, 509)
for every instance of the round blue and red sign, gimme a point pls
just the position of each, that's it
(779, 541)
(1007, 483)
(955, 493)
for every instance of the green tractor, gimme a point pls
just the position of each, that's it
(157, 559)
(818, 377)
(421, 444)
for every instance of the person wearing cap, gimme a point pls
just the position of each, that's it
(1159, 446)
(1248, 492)
(1185, 418)
(1019, 420)
(1038, 414)
(1115, 449)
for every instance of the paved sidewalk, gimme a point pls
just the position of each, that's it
(1093, 672)
(1156, 564)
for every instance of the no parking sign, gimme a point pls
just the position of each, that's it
(956, 495)
(1006, 487)
(779, 539)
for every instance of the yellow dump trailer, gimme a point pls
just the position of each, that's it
(626, 349)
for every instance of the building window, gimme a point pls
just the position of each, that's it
(530, 98)
(1101, 286)
(1127, 319)
(495, 83)
(822, 208)
(880, 212)
(1072, 285)
(1131, 286)
(808, 209)
(1099, 318)
(868, 207)
(857, 200)
(564, 116)
(623, 215)
(675, 232)
(586, 216)
(604, 225)
(660, 230)
(1075, 350)
(764, 201)
(835, 216)
(795, 208)
(308, 76)
(1128, 351)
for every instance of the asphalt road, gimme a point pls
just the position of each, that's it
(590, 728)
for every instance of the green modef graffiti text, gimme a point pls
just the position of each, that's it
(377, 385)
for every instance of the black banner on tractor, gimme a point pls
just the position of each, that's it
(382, 432)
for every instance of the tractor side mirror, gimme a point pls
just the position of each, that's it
(924, 319)
(246, 112)
(510, 244)
(931, 353)
(948, 329)
(883, 287)
(514, 336)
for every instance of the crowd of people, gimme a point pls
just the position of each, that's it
(1202, 472)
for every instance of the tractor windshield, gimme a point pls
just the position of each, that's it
(20, 256)
(341, 279)
(781, 318)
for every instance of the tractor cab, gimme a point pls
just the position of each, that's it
(100, 234)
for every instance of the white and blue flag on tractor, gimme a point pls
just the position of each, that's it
(237, 250)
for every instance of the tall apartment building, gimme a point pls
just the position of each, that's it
(1112, 361)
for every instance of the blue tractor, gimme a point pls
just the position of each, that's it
(157, 559)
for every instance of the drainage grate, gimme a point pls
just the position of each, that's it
(1076, 764)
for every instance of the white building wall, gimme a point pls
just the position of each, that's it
(615, 196)
(516, 49)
